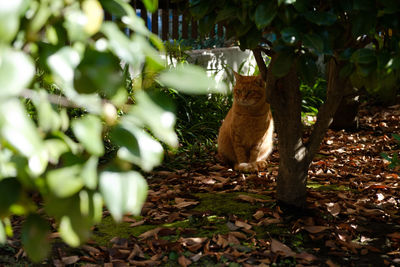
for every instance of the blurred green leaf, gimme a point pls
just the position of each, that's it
(18, 129)
(76, 214)
(75, 24)
(118, 8)
(346, 71)
(313, 41)
(138, 26)
(74, 147)
(10, 12)
(363, 56)
(152, 55)
(88, 130)
(16, 72)
(91, 205)
(55, 148)
(3, 237)
(68, 233)
(198, 10)
(136, 146)
(123, 192)
(287, 2)
(40, 18)
(282, 64)
(7, 167)
(321, 18)
(151, 5)
(265, 13)
(62, 64)
(159, 120)
(66, 181)
(290, 35)
(191, 79)
(121, 45)
(89, 172)
(98, 72)
(226, 13)
(10, 192)
(35, 237)
(48, 118)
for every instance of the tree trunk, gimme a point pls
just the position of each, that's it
(286, 103)
(295, 156)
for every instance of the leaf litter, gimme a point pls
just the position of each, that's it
(352, 219)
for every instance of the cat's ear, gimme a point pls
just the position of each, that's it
(237, 75)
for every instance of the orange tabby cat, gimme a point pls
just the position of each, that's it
(246, 136)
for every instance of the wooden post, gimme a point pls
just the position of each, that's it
(175, 24)
(185, 24)
(194, 29)
(165, 22)
(143, 14)
(154, 22)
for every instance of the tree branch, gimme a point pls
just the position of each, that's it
(335, 91)
(260, 63)
(54, 99)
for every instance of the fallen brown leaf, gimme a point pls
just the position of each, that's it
(333, 208)
(258, 215)
(183, 261)
(243, 225)
(238, 235)
(330, 263)
(70, 260)
(395, 235)
(233, 240)
(280, 248)
(315, 229)
(306, 256)
(143, 263)
(150, 233)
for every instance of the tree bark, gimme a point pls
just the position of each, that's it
(286, 104)
(295, 156)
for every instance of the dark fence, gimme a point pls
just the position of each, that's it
(168, 23)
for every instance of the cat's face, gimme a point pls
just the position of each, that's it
(248, 90)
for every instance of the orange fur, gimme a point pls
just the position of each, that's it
(246, 136)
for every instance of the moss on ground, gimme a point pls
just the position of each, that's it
(225, 204)
(108, 228)
(219, 204)
(324, 187)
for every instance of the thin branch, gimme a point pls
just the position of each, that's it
(335, 91)
(267, 51)
(260, 63)
(54, 99)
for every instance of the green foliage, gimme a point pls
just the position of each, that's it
(363, 33)
(56, 126)
(313, 96)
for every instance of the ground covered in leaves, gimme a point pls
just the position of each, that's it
(199, 213)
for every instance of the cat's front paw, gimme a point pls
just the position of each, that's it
(246, 167)
(262, 165)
